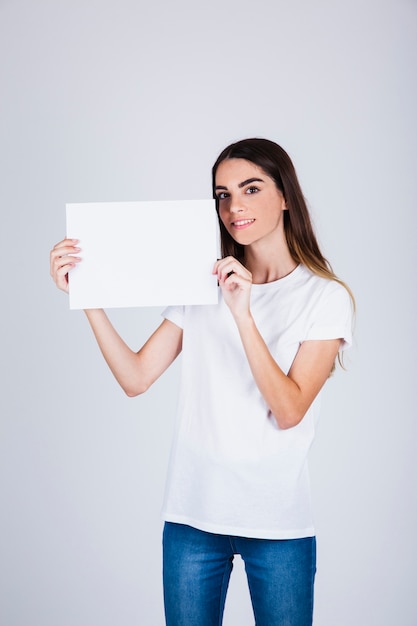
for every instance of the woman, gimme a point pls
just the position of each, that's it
(252, 370)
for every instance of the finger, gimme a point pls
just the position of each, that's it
(65, 243)
(61, 268)
(234, 281)
(225, 266)
(66, 262)
(62, 251)
(227, 269)
(64, 247)
(67, 253)
(61, 275)
(68, 241)
(61, 280)
(221, 262)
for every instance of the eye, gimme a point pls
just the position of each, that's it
(222, 195)
(252, 190)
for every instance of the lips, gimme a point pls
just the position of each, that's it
(240, 224)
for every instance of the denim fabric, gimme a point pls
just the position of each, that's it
(197, 567)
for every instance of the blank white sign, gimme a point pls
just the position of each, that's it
(143, 253)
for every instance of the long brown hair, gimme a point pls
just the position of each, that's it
(299, 232)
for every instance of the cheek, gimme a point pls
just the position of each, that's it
(222, 214)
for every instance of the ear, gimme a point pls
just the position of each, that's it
(284, 202)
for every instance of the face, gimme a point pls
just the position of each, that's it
(250, 204)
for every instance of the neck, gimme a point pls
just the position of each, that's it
(267, 265)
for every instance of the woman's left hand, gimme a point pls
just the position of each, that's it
(235, 282)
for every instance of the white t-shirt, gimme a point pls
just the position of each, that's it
(233, 470)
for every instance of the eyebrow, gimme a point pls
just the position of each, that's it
(243, 183)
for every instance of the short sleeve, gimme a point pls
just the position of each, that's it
(174, 314)
(333, 316)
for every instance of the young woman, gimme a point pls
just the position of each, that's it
(252, 370)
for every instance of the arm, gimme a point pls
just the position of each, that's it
(288, 395)
(134, 371)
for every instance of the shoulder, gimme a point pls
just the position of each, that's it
(174, 314)
(330, 309)
(322, 286)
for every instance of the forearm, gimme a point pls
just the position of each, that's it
(136, 371)
(122, 361)
(288, 396)
(282, 395)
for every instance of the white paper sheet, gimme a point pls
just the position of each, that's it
(143, 253)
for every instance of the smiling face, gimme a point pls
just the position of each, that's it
(250, 204)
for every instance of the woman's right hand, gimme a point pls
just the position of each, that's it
(62, 259)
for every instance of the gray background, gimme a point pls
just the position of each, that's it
(132, 100)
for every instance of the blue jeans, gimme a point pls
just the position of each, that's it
(197, 567)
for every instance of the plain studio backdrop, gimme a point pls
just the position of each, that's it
(105, 100)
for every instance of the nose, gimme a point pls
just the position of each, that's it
(236, 206)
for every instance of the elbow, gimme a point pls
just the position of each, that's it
(287, 424)
(288, 420)
(132, 393)
(136, 389)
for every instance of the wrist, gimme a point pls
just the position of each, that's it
(244, 320)
(93, 314)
